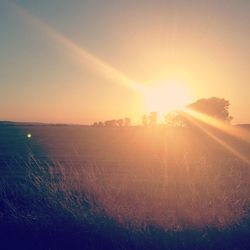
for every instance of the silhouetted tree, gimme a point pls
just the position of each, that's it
(120, 122)
(214, 107)
(153, 118)
(107, 123)
(175, 119)
(145, 120)
(110, 123)
(127, 122)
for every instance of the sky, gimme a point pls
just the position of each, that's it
(85, 61)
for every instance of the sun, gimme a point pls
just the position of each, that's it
(166, 97)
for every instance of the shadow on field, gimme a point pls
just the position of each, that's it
(124, 188)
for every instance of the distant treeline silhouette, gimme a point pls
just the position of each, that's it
(217, 108)
(123, 122)
(150, 119)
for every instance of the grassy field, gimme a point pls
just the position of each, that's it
(79, 187)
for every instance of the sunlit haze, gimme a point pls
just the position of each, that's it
(124, 124)
(85, 61)
(166, 97)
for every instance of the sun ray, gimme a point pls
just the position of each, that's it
(228, 147)
(83, 56)
(231, 130)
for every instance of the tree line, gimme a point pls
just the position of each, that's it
(215, 107)
(123, 122)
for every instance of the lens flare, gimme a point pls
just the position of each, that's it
(194, 119)
(83, 56)
(165, 97)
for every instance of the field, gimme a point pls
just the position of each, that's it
(80, 187)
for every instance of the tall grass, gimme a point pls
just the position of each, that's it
(168, 192)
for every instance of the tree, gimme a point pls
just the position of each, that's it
(153, 118)
(127, 122)
(175, 119)
(110, 123)
(217, 108)
(145, 120)
(120, 122)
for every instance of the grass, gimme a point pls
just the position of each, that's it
(127, 188)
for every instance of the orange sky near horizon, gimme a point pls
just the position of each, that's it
(84, 62)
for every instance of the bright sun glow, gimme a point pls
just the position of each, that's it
(166, 97)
